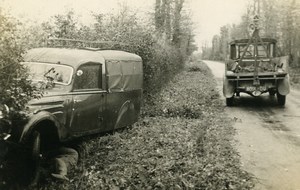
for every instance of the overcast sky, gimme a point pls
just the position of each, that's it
(208, 15)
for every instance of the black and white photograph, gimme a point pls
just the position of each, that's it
(150, 94)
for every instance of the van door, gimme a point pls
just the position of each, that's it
(89, 100)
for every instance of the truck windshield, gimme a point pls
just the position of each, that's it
(250, 51)
(55, 73)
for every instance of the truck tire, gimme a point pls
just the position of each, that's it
(281, 99)
(272, 93)
(229, 101)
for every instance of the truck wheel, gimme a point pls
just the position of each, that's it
(35, 157)
(229, 101)
(281, 99)
(272, 93)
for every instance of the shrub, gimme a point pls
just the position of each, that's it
(15, 89)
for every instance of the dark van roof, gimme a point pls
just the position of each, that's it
(119, 55)
(75, 57)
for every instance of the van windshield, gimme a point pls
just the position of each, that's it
(58, 74)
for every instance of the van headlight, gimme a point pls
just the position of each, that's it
(5, 127)
(4, 111)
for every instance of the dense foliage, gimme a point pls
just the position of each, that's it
(15, 89)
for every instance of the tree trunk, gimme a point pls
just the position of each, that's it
(177, 17)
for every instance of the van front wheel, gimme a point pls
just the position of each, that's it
(35, 157)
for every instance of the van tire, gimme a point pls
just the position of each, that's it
(35, 157)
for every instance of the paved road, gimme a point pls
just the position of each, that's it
(268, 136)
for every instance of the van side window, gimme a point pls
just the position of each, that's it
(88, 76)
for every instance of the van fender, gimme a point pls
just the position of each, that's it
(124, 114)
(34, 121)
(284, 86)
(228, 88)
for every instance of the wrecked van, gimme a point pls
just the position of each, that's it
(86, 91)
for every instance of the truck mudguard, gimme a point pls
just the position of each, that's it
(228, 88)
